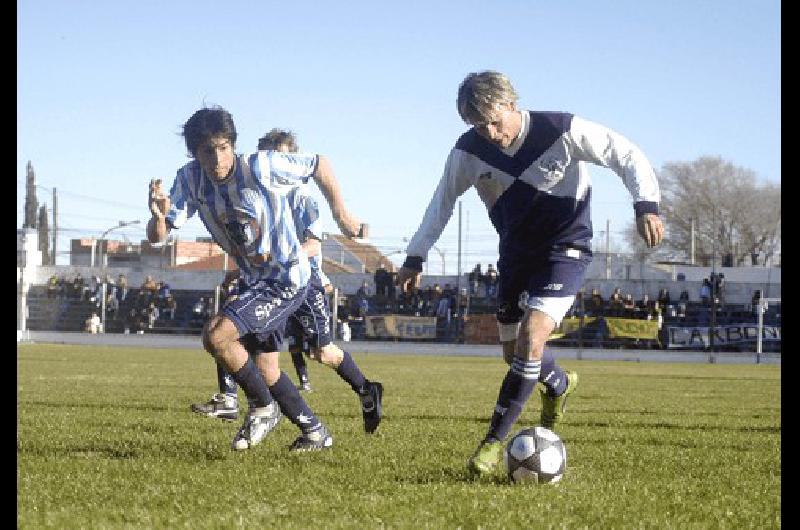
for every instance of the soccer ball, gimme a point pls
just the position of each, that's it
(535, 455)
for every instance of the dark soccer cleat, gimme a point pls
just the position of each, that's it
(219, 406)
(313, 441)
(304, 387)
(258, 423)
(371, 406)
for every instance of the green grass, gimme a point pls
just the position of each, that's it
(105, 439)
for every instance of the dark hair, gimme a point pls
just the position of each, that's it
(207, 123)
(277, 137)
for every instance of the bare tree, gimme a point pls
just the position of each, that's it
(734, 218)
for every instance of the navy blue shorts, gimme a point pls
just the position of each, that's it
(309, 323)
(263, 307)
(560, 274)
(314, 317)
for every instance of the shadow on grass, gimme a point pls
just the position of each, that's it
(128, 405)
(451, 476)
(184, 452)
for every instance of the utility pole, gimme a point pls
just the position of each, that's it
(55, 225)
(691, 243)
(458, 277)
(608, 248)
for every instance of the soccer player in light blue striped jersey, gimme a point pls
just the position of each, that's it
(243, 202)
(529, 169)
(311, 322)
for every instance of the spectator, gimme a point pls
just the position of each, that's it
(149, 285)
(755, 301)
(78, 284)
(475, 279)
(92, 324)
(344, 330)
(392, 286)
(111, 286)
(628, 305)
(152, 313)
(131, 321)
(663, 297)
(490, 281)
(170, 306)
(596, 306)
(656, 314)
(615, 303)
(643, 305)
(52, 286)
(199, 311)
(162, 293)
(719, 288)
(94, 290)
(381, 283)
(705, 291)
(122, 287)
(684, 296)
(112, 306)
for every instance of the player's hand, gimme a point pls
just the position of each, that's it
(349, 225)
(157, 200)
(408, 279)
(650, 228)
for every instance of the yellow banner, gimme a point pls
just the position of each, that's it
(570, 325)
(400, 326)
(632, 328)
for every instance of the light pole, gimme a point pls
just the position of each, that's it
(104, 289)
(121, 224)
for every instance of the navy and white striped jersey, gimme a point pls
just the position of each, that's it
(249, 214)
(537, 190)
(306, 217)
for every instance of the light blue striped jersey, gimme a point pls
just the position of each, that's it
(306, 218)
(249, 215)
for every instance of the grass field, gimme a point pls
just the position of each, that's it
(105, 439)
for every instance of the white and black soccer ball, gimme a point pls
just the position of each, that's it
(535, 455)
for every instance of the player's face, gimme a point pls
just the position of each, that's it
(216, 157)
(501, 126)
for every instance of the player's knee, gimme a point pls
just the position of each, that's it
(330, 355)
(216, 335)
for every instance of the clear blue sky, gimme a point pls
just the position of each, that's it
(103, 88)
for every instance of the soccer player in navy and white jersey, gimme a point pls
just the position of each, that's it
(242, 201)
(529, 169)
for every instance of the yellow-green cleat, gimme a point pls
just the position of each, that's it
(553, 408)
(486, 458)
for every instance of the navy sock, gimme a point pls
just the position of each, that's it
(300, 366)
(517, 387)
(227, 385)
(348, 370)
(253, 384)
(552, 375)
(293, 405)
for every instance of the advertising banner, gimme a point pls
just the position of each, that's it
(697, 337)
(400, 327)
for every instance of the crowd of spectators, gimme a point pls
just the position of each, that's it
(483, 283)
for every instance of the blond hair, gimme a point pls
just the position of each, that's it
(481, 92)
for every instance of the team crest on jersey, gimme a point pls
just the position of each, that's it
(553, 169)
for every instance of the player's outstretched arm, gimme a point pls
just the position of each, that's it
(329, 186)
(650, 228)
(159, 204)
